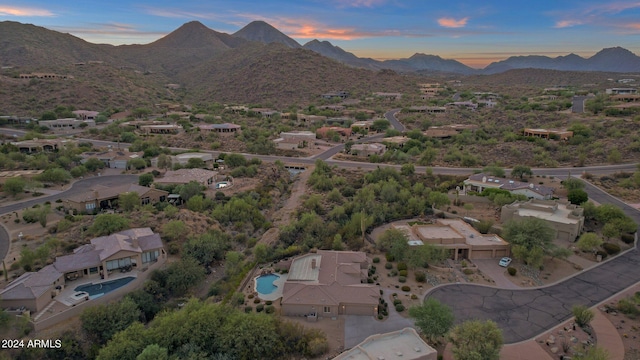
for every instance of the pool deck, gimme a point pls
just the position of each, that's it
(277, 293)
(69, 289)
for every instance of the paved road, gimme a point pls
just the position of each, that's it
(524, 314)
(77, 188)
(391, 116)
(577, 104)
(491, 268)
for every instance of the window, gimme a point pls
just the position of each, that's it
(327, 309)
(90, 206)
(93, 270)
(150, 256)
(145, 200)
(118, 263)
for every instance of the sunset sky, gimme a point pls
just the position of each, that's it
(473, 32)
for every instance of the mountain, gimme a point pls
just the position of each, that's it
(327, 49)
(262, 32)
(421, 62)
(614, 59)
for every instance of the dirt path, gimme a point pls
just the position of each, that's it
(283, 215)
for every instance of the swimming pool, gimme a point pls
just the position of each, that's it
(99, 289)
(264, 283)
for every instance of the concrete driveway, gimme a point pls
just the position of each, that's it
(491, 268)
(358, 328)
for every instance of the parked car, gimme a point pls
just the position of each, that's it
(505, 261)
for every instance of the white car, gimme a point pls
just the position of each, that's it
(505, 261)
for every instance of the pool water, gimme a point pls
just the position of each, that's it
(264, 283)
(97, 290)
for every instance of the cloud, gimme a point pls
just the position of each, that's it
(183, 14)
(359, 3)
(567, 23)
(453, 23)
(24, 11)
(111, 33)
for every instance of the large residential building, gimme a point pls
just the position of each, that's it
(368, 149)
(132, 249)
(567, 219)
(323, 131)
(480, 182)
(42, 145)
(185, 176)
(183, 159)
(460, 238)
(66, 124)
(114, 159)
(401, 344)
(560, 134)
(103, 197)
(328, 284)
(224, 128)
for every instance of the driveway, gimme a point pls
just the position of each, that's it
(358, 328)
(491, 268)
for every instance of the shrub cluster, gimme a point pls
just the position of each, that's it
(406, 288)
(611, 248)
(512, 271)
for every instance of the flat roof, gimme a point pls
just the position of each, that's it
(301, 268)
(401, 344)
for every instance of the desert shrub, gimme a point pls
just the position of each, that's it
(380, 317)
(260, 307)
(611, 248)
(174, 248)
(602, 253)
(414, 297)
(389, 257)
(402, 279)
(376, 260)
(250, 296)
(248, 309)
(268, 302)
(420, 276)
(467, 271)
(403, 273)
(399, 308)
(628, 307)
(512, 271)
(402, 266)
(406, 288)
(396, 302)
(627, 238)
(582, 314)
(269, 309)
(256, 301)
(388, 266)
(393, 273)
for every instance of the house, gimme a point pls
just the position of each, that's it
(368, 149)
(185, 176)
(323, 131)
(161, 129)
(335, 94)
(335, 108)
(132, 249)
(104, 197)
(183, 159)
(480, 182)
(567, 219)
(561, 134)
(463, 104)
(430, 90)
(388, 96)
(86, 114)
(66, 124)
(292, 140)
(42, 145)
(311, 118)
(264, 112)
(400, 344)
(396, 140)
(429, 109)
(113, 159)
(621, 91)
(460, 238)
(328, 284)
(224, 128)
(366, 125)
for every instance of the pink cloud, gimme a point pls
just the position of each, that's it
(567, 23)
(452, 23)
(23, 11)
(360, 3)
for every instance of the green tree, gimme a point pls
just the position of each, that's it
(592, 353)
(54, 175)
(476, 340)
(196, 203)
(408, 170)
(423, 255)
(174, 230)
(189, 190)
(520, 171)
(103, 321)
(233, 263)
(14, 186)
(438, 199)
(195, 163)
(208, 247)
(94, 164)
(235, 160)
(164, 161)
(261, 252)
(433, 318)
(494, 170)
(380, 125)
(589, 241)
(530, 239)
(394, 242)
(145, 179)
(183, 274)
(577, 196)
(137, 164)
(106, 224)
(128, 201)
(78, 171)
(572, 184)
(153, 352)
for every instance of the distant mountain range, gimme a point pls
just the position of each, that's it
(193, 43)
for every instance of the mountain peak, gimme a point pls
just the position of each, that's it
(265, 33)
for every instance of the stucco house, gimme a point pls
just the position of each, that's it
(104, 197)
(136, 248)
(224, 128)
(328, 284)
(113, 159)
(400, 344)
(480, 182)
(185, 176)
(567, 219)
(368, 149)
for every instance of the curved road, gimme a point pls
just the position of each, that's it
(524, 314)
(77, 187)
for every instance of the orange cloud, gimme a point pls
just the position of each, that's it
(23, 11)
(452, 23)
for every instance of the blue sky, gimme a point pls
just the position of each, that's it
(473, 32)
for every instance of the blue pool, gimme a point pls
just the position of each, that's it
(264, 283)
(97, 290)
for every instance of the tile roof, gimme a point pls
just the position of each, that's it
(101, 192)
(31, 284)
(184, 176)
